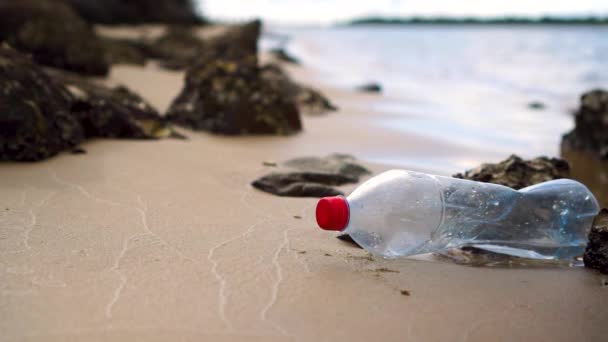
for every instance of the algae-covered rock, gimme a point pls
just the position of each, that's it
(309, 100)
(53, 34)
(124, 51)
(591, 125)
(43, 112)
(177, 49)
(225, 93)
(312, 176)
(596, 253)
(517, 173)
(112, 112)
(237, 43)
(138, 11)
(35, 117)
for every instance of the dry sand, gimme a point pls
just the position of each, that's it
(166, 241)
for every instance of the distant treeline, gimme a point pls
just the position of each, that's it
(592, 20)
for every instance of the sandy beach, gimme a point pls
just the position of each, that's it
(166, 240)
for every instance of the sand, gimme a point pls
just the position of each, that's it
(167, 241)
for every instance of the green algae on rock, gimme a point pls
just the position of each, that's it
(112, 112)
(591, 125)
(310, 101)
(35, 117)
(517, 173)
(43, 112)
(225, 93)
(54, 34)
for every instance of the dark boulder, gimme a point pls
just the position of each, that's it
(591, 125)
(309, 100)
(138, 11)
(225, 92)
(596, 253)
(112, 112)
(312, 176)
(53, 34)
(338, 164)
(517, 173)
(43, 112)
(124, 51)
(177, 49)
(35, 117)
(301, 184)
(370, 88)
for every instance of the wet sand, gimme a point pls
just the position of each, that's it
(166, 240)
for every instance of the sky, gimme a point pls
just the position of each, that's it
(329, 11)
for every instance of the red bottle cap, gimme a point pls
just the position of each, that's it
(332, 213)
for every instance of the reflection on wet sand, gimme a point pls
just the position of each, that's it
(591, 171)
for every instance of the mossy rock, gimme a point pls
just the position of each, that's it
(225, 92)
(53, 34)
(35, 117)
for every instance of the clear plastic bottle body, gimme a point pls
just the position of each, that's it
(403, 213)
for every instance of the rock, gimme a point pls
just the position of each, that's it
(596, 253)
(282, 55)
(238, 43)
(312, 176)
(340, 164)
(310, 101)
(300, 184)
(591, 125)
(115, 12)
(370, 88)
(35, 118)
(517, 173)
(124, 51)
(536, 105)
(177, 49)
(53, 34)
(225, 92)
(112, 112)
(43, 112)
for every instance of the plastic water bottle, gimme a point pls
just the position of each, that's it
(404, 213)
